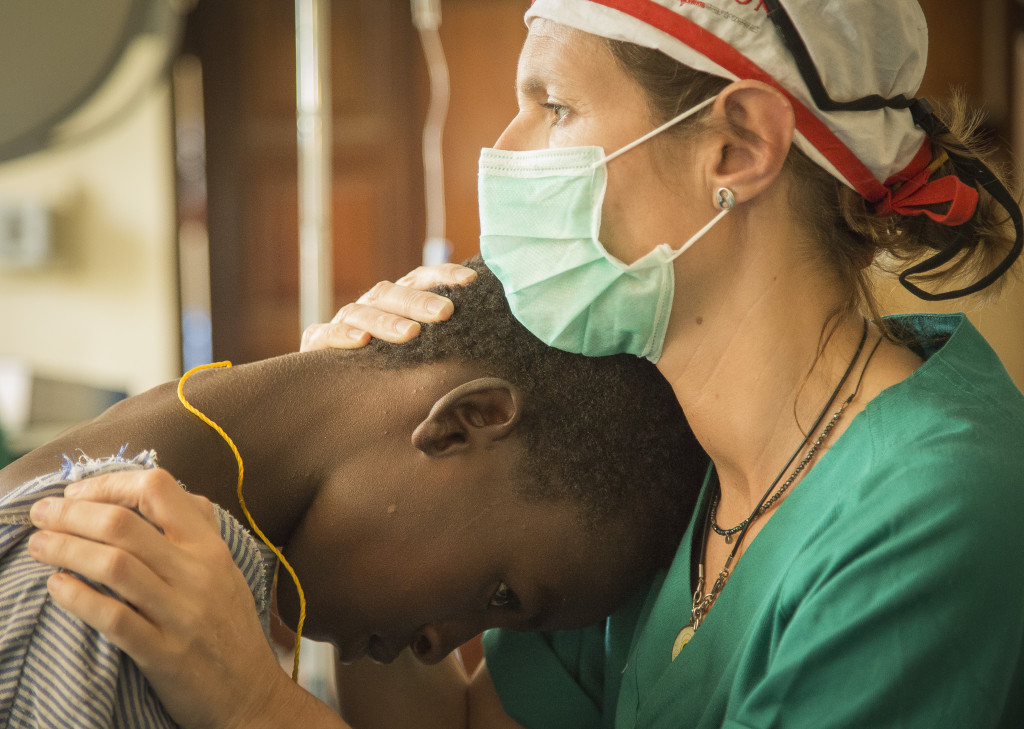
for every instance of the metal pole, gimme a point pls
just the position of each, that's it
(313, 104)
(426, 16)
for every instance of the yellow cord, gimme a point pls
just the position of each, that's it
(241, 502)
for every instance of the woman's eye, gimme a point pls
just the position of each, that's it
(558, 111)
(504, 598)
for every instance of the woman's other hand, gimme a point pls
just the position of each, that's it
(189, 619)
(390, 311)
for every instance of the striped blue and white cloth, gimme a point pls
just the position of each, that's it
(55, 671)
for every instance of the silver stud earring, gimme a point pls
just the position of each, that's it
(724, 199)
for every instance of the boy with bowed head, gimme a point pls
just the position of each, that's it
(471, 479)
(717, 186)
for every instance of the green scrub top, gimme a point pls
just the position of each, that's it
(886, 591)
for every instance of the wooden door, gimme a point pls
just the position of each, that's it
(247, 51)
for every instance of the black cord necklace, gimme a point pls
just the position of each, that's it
(763, 506)
(702, 602)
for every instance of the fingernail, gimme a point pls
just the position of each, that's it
(405, 328)
(434, 306)
(464, 277)
(39, 511)
(37, 541)
(73, 489)
(56, 581)
(355, 334)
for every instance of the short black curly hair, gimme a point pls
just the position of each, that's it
(606, 433)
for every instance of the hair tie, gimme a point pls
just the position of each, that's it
(918, 196)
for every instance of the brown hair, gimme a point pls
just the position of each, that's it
(850, 237)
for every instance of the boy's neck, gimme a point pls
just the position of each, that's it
(300, 422)
(277, 412)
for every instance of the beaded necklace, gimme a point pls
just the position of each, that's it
(702, 601)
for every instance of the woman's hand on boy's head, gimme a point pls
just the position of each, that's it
(444, 274)
(390, 311)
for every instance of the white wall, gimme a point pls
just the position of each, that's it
(1002, 323)
(105, 311)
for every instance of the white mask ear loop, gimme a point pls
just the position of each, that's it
(697, 236)
(671, 122)
(723, 196)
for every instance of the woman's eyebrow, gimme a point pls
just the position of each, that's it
(532, 86)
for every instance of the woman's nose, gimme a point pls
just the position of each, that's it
(520, 135)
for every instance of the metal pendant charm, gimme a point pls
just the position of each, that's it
(682, 638)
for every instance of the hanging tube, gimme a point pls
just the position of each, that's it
(426, 16)
(314, 121)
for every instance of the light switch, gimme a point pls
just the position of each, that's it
(25, 235)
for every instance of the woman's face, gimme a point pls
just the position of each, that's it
(572, 92)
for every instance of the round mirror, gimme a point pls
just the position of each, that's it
(69, 68)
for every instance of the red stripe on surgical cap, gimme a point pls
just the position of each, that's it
(716, 49)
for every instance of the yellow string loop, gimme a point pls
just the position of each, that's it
(245, 510)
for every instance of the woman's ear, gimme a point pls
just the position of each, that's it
(760, 123)
(474, 414)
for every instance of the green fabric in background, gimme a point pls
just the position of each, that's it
(5, 453)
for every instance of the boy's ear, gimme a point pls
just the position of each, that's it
(473, 414)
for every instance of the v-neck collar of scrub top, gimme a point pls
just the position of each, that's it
(667, 608)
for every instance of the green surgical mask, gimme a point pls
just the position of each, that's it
(540, 213)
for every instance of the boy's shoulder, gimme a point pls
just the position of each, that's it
(54, 669)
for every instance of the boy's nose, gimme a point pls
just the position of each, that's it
(433, 643)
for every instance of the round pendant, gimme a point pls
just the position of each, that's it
(728, 538)
(682, 638)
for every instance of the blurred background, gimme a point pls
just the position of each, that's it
(150, 211)
(151, 153)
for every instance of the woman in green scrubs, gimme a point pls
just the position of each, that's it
(716, 185)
